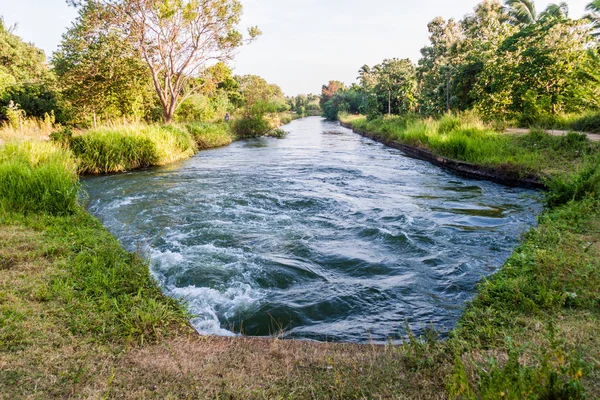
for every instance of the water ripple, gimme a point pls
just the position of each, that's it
(317, 236)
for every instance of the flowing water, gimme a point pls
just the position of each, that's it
(322, 235)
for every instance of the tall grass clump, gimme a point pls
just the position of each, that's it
(37, 177)
(589, 122)
(210, 135)
(577, 185)
(123, 148)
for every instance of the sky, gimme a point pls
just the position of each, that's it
(304, 43)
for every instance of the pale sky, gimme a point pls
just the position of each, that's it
(304, 43)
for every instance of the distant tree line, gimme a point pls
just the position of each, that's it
(305, 104)
(506, 61)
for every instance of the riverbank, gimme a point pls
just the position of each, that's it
(80, 317)
(467, 146)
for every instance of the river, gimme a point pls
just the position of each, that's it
(323, 235)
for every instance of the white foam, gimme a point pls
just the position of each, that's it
(207, 303)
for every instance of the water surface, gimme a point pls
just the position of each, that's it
(323, 235)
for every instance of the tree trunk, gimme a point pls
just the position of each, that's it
(448, 92)
(169, 111)
(389, 102)
(167, 117)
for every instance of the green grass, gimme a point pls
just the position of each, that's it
(37, 177)
(130, 147)
(538, 314)
(210, 135)
(124, 148)
(466, 138)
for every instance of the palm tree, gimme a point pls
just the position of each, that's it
(594, 16)
(521, 12)
(560, 10)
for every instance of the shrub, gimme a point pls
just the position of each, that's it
(63, 136)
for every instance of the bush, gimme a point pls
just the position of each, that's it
(38, 177)
(63, 136)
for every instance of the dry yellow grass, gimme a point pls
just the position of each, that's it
(29, 130)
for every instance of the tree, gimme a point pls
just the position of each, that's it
(329, 90)
(176, 39)
(100, 74)
(396, 82)
(26, 83)
(594, 17)
(437, 64)
(23, 61)
(537, 71)
(521, 12)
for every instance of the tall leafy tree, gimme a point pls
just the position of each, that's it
(100, 74)
(436, 65)
(176, 39)
(25, 79)
(396, 84)
(536, 70)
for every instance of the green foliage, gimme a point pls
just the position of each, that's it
(260, 96)
(63, 136)
(351, 100)
(465, 137)
(209, 136)
(25, 81)
(106, 150)
(100, 75)
(589, 122)
(575, 186)
(37, 177)
(36, 100)
(507, 63)
(19, 59)
(251, 125)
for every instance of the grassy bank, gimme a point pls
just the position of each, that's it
(117, 148)
(129, 147)
(466, 138)
(82, 318)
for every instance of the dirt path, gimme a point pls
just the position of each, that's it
(594, 137)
